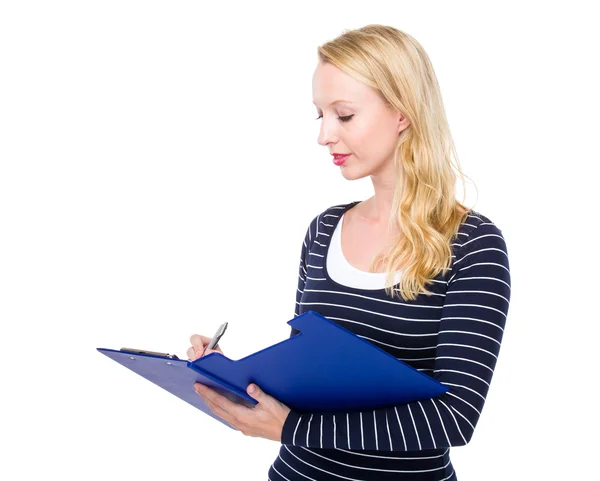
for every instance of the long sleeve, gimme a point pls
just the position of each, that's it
(471, 326)
(302, 273)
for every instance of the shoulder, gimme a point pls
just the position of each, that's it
(479, 233)
(477, 224)
(327, 218)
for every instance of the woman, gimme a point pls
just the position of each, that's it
(410, 269)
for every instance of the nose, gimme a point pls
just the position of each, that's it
(327, 134)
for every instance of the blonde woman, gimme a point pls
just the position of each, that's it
(410, 269)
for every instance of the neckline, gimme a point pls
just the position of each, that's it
(342, 257)
(346, 208)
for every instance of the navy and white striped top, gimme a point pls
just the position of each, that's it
(454, 336)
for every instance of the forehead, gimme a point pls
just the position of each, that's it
(331, 86)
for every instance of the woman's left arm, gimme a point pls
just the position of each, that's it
(471, 328)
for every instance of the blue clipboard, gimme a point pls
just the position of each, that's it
(325, 368)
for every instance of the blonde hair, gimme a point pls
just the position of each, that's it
(426, 211)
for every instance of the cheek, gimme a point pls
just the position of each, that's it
(364, 141)
(359, 139)
(378, 141)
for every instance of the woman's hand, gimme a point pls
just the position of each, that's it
(265, 420)
(199, 343)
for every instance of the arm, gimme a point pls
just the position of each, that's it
(302, 273)
(470, 332)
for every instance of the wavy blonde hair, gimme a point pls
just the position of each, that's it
(426, 211)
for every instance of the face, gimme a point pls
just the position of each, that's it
(363, 125)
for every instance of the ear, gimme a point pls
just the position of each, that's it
(403, 123)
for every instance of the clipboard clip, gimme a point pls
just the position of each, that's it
(151, 353)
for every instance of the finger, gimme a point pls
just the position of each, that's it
(199, 339)
(210, 351)
(195, 352)
(216, 349)
(213, 398)
(191, 353)
(219, 411)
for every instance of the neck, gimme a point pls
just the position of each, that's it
(378, 208)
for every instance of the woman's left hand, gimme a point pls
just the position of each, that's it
(265, 420)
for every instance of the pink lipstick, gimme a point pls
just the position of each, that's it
(340, 159)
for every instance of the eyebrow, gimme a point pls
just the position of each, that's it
(339, 101)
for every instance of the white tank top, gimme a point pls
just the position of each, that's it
(342, 272)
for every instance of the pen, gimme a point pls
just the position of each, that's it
(216, 338)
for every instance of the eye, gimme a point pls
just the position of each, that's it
(343, 119)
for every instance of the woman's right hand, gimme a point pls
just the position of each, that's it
(198, 343)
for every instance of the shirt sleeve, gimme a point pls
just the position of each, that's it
(468, 343)
(302, 273)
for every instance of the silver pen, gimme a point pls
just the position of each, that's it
(216, 338)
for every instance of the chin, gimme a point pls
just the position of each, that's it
(353, 174)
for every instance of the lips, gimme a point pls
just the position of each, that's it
(339, 160)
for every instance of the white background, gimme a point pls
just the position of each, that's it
(159, 167)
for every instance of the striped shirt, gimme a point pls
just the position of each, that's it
(453, 335)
